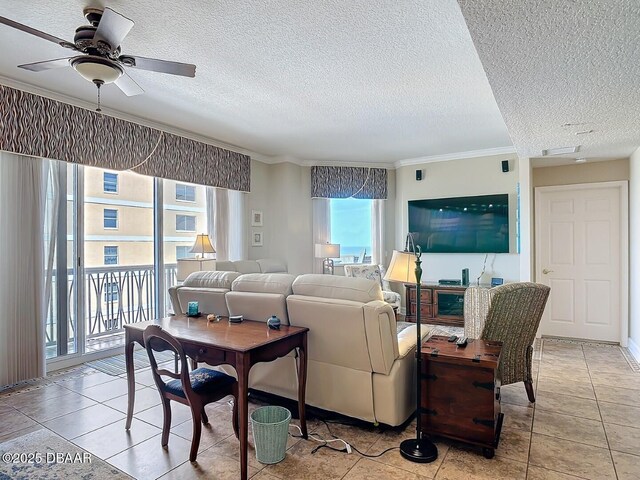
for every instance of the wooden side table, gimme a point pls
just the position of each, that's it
(461, 391)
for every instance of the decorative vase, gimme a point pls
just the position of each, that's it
(273, 322)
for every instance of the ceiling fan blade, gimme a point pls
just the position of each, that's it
(128, 85)
(113, 27)
(162, 66)
(35, 32)
(46, 65)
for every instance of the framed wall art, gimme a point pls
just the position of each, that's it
(256, 238)
(256, 218)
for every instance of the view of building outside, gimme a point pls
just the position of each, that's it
(185, 216)
(118, 221)
(119, 245)
(118, 218)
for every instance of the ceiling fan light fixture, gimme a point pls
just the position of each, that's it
(95, 69)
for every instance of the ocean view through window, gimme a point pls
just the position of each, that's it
(351, 228)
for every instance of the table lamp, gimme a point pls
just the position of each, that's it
(202, 245)
(186, 266)
(327, 251)
(418, 449)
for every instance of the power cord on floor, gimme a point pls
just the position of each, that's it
(326, 443)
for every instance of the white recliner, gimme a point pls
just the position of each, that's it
(358, 364)
(257, 296)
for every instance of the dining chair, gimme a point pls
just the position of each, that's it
(510, 314)
(194, 389)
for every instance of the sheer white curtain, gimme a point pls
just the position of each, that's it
(221, 224)
(22, 277)
(238, 244)
(321, 228)
(377, 233)
(225, 220)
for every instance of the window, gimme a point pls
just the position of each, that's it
(185, 193)
(185, 223)
(351, 228)
(111, 255)
(110, 182)
(110, 218)
(182, 251)
(111, 293)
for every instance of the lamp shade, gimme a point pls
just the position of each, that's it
(327, 250)
(202, 245)
(402, 268)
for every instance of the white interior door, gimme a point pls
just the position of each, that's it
(580, 238)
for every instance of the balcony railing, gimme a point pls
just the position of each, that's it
(114, 297)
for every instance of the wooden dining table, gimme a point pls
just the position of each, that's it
(240, 345)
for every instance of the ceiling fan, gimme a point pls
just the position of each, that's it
(99, 58)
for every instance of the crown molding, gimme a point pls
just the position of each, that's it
(29, 88)
(456, 156)
(273, 160)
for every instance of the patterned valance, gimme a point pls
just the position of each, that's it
(41, 127)
(345, 182)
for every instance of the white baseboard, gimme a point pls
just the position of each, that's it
(634, 348)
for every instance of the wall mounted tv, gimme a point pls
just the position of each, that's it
(461, 225)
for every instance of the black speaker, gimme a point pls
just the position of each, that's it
(418, 175)
(465, 276)
(505, 166)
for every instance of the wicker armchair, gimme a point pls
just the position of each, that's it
(511, 314)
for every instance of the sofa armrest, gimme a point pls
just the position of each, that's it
(175, 301)
(407, 341)
(382, 339)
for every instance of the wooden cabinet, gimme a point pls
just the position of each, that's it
(461, 391)
(439, 304)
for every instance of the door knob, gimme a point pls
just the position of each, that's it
(545, 271)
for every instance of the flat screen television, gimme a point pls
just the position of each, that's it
(461, 225)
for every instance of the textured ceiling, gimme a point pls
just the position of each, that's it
(358, 81)
(560, 67)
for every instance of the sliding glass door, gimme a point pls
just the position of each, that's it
(119, 272)
(61, 271)
(115, 238)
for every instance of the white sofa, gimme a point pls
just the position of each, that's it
(358, 363)
(263, 265)
(207, 288)
(257, 296)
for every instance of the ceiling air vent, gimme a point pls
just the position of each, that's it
(560, 151)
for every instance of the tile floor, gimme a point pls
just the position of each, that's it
(585, 424)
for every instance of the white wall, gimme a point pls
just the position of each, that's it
(282, 192)
(634, 254)
(457, 178)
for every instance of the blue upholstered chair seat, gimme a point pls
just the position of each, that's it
(203, 381)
